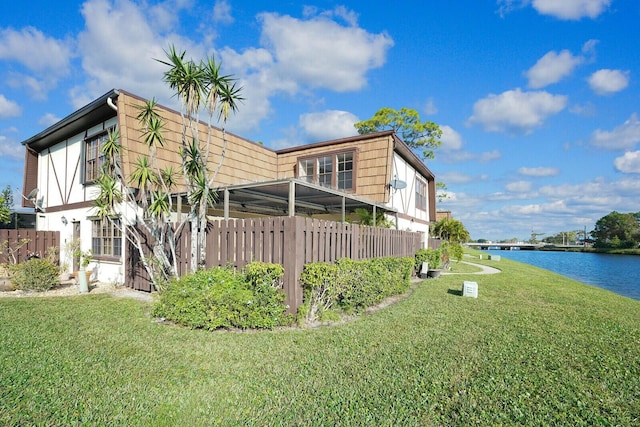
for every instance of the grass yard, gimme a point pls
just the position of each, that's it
(533, 349)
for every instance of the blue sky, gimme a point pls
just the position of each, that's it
(539, 100)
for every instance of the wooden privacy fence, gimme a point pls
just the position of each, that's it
(291, 242)
(16, 244)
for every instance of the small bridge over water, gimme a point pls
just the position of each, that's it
(506, 246)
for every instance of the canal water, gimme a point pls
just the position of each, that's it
(617, 273)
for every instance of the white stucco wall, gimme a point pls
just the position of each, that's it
(59, 184)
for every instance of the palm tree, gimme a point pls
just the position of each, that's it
(451, 230)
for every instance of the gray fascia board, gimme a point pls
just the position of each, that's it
(83, 118)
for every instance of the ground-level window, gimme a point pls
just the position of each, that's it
(106, 238)
(329, 170)
(421, 194)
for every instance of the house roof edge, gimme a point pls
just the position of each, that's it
(93, 111)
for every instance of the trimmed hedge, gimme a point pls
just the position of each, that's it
(350, 286)
(221, 297)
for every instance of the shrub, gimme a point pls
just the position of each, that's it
(351, 286)
(318, 281)
(433, 257)
(35, 275)
(420, 257)
(223, 298)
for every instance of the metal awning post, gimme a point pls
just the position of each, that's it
(374, 215)
(292, 198)
(226, 204)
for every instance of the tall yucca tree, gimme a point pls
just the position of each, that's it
(200, 86)
(150, 205)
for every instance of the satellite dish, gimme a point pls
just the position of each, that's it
(39, 205)
(397, 184)
(32, 195)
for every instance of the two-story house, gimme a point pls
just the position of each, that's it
(328, 180)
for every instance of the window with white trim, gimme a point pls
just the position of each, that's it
(93, 157)
(106, 237)
(329, 170)
(421, 194)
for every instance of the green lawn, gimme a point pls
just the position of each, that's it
(533, 349)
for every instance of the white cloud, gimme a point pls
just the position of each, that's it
(455, 177)
(296, 55)
(466, 156)
(551, 68)
(538, 171)
(430, 107)
(519, 186)
(628, 163)
(328, 125)
(46, 59)
(605, 82)
(34, 50)
(48, 120)
(451, 140)
(222, 12)
(586, 110)
(571, 9)
(126, 31)
(8, 108)
(11, 149)
(623, 137)
(304, 52)
(516, 111)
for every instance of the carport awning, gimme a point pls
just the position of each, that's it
(290, 197)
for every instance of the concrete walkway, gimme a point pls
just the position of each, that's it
(485, 269)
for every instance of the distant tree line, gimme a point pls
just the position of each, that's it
(617, 230)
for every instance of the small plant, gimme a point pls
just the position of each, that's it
(85, 257)
(35, 275)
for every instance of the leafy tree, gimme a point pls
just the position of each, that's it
(617, 230)
(406, 123)
(451, 230)
(416, 134)
(6, 204)
(562, 238)
(454, 234)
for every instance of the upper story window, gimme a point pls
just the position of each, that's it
(345, 171)
(329, 170)
(421, 194)
(93, 157)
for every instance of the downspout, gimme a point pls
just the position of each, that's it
(123, 272)
(111, 104)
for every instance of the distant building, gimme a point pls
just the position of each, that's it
(443, 215)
